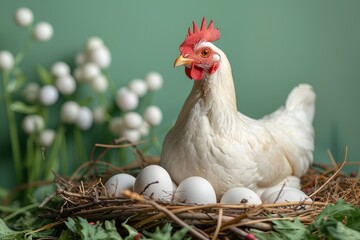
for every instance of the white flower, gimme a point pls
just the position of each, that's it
(133, 135)
(31, 92)
(90, 71)
(127, 100)
(85, 118)
(69, 111)
(24, 17)
(66, 85)
(32, 123)
(6, 60)
(132, 120)
(116, 126)
(80, 59)
(144, 129)
(48, 95)
(154, 81)
(153, 115)
(93, 43)
(139, 87)
(100, 56)
(43, 31)
(99, 114)
(60, 69)
(79, 74)
(46, 137)
(99, 84)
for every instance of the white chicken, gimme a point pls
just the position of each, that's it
(211, 139)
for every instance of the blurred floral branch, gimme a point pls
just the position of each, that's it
(55, 114)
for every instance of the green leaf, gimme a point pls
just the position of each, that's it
(8, 234)
(132, 231)
(21, 107)
(291, 230)
(44, 75)
(17, 82)
(65, 235)
(165, 233)
(339, 211)
(86, 231)
(285, 229)
(71, 225)
(339, 231)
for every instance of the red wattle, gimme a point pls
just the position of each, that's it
(194, 72)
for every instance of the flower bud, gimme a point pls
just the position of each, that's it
(153, 115)
(48, 95)
(6, 60)
(43, 32)
(24, 17)
(154, 81)
(69, 112)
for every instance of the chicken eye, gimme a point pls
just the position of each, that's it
(205, 52)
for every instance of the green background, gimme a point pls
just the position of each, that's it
(272, 46)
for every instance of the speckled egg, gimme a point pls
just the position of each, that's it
(118, 183)
(240, 195)
(286, 195)
(154, 181)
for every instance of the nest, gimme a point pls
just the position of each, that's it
(84, 195)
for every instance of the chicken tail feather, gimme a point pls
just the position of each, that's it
(302, 98)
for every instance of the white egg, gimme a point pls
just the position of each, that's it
(240, 195)
(118, 183)
(155, 182)
(195, 190)
(287, 195)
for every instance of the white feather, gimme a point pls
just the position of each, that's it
(211, 139)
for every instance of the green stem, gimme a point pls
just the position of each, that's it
(79, 147)
(14, 138)
(51, 161)
(111, 83)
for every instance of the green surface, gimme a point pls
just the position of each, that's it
(272, 46)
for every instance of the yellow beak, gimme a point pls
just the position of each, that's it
(181, 61)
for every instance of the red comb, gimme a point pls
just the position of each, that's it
(209, 34)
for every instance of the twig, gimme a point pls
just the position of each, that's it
(218, 225)
(334, 175)
(332, 159)
(139, 198)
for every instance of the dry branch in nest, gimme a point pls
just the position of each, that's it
(84, 195)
